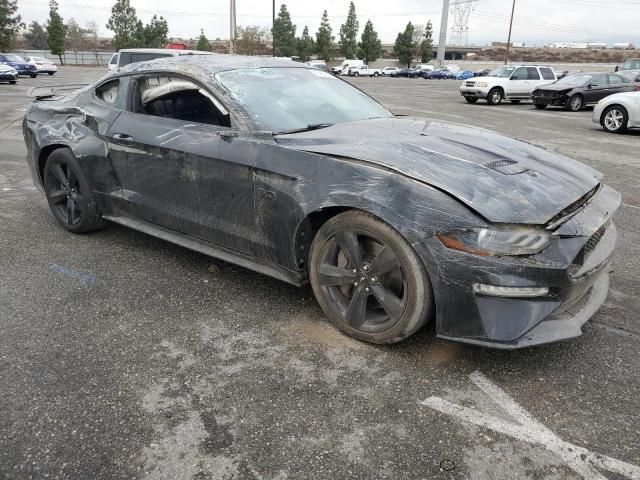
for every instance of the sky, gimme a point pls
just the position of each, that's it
(537, 22)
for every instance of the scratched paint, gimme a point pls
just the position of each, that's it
(526, 428)
(83, 278)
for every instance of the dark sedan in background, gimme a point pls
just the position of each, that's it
(574, 92)
(20, 64)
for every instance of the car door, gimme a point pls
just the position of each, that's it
(597, 89)
(186, 168)
(619, 84)
(518, 84)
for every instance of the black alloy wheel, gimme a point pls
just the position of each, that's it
(68, 194)
(368, 279)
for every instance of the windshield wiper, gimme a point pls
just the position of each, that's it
(308, 128)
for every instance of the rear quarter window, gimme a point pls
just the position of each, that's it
(108, 92)
(547, 74)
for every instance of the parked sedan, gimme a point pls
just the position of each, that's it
(574, 92)
(43, 65)
(463, 75)
(8, 74)
(437, 74)
(289, 171)
(20, 64)
(390, 71)
(618, 113)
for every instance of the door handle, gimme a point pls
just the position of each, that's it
(123, 139)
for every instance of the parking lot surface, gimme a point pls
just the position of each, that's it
(124, 357)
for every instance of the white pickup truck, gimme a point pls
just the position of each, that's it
(513, 83)
(365, 71)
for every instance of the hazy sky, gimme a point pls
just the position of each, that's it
(536, 21)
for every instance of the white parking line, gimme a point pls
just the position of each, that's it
(528, 429)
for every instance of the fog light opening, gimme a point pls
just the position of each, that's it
(511, 292)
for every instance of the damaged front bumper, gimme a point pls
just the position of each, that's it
(537, 299)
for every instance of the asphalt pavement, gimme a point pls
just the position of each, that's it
(123, 356)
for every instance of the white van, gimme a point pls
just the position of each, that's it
(343, 68)
(133, 55)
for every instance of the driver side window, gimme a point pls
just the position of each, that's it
(520, 74)
(178, 99)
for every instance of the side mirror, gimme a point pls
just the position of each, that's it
(515, 77)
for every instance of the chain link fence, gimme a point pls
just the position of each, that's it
(71, 58)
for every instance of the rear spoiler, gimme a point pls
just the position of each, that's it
(48, 91)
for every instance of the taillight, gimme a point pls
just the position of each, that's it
(638, 87)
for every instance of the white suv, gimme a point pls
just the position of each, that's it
(507, 83)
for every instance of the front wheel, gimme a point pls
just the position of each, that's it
(540, 106)
(33, 75)
(51, 73)
(574, 104)
(615, 119)
(356, 74)
(12, 82)
(495, 97)
(368, 280)
(69, 195)
(471, 99)
(376, 74)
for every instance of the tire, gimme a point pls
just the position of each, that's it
(356, 74)
(69, 195)
(515, 102)
(615, 119)
(495, 96)
(51, 73)
(574, 103)
(376, 74)
(13, 82)
(540, 106)
(471, 99)
(388, 298)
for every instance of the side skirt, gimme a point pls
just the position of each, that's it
(206, 248)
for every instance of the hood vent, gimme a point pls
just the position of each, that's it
(505, 166)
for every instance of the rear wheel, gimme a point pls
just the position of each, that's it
(69, 194)
(376, 74)
(368, 280)
(12, 82)
(471, 99)
(615, 119)
(33, 75)
(495, 96)
(540, 106)
(574, 104)
(51, 73)
(356, 74)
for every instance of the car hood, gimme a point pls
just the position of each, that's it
(558, 87)
(6, 68)
(503, 179)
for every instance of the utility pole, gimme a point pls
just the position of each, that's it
(232, 30)
(444, 24)
(513, 10)
(273, 26)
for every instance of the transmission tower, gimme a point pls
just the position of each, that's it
(461, 12)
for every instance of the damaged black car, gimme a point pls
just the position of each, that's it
(579, 90)
(289, 171)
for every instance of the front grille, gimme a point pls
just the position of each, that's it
(469, 84)
(588, 249)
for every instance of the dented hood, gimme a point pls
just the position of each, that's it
(503, 179)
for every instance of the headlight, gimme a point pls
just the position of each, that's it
(482, 84)
(487, 242)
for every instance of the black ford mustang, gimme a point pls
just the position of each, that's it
(287, 170)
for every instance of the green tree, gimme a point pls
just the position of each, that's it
(426, 48)
(324, 39)
(75, 36)
(36, 37)
(10, 24)
(55, 31)
(203, 42)
(284, 34)
(404, 45)
(305, 45)
(155, 33)
(124, 24)
(251, 40)
(370, 45)
(349, 34)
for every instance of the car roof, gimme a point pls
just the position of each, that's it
(210, 64)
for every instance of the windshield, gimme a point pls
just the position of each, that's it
(632, 64)
(502, 72)
(580, 79)
(280, 99)
(14, 58)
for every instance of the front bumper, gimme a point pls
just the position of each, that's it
(46, 68)
(8, 77)
(575, 269)
(549, 98)
(474, 92)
